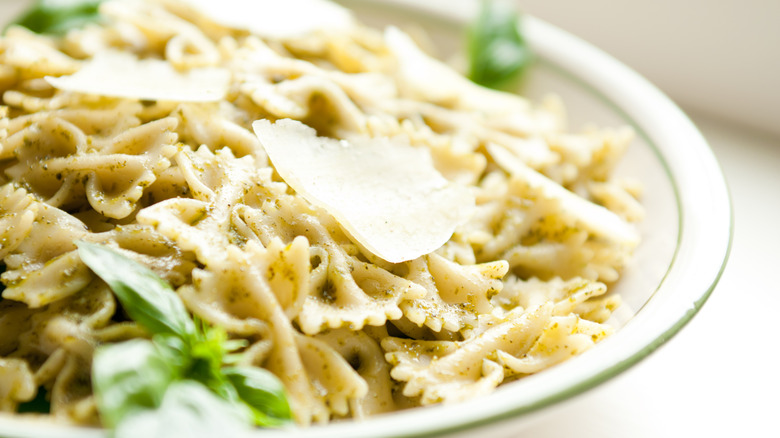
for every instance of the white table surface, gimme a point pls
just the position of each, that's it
(720, 376)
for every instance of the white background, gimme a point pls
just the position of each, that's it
(718, 57)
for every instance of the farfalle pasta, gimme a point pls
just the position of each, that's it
(525, 226)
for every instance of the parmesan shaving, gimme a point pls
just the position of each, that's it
(115, 74)
(429, 79)
(385, 193)
(595, 218)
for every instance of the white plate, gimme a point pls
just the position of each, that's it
(686, 234)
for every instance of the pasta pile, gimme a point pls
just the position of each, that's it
(186, 188)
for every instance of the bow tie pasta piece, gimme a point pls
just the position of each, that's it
(343, 290)
(46, 139)
(354, 293)
(364, 354)
(217, 182)
(150, 248)
(101, 123)
(444, 371)
(41, 263)
(340, 385)
(18, 211)
(579, 296)
(59, 162)
(62, 276)
(563, 338)
(385, 193)
(316, 100)
(58, 341)
(456, 293)
(201, 126)
(237, 286)
(346, 291)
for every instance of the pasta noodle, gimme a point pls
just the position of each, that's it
(184, 186)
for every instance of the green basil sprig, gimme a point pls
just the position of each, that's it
(498, 54)
(59, 16)
(147, 299)
(180, 376)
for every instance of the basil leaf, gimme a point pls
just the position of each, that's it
(498, 54)
(188, 409)
(58, 16)
(148, 299)
(263, 392)
(129, 377)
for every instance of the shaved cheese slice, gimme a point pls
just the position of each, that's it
(595, 218)
(278, 19)
(432, 80)
(384, 192)
(117, 74)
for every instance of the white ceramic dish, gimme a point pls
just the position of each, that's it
(686, 234)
